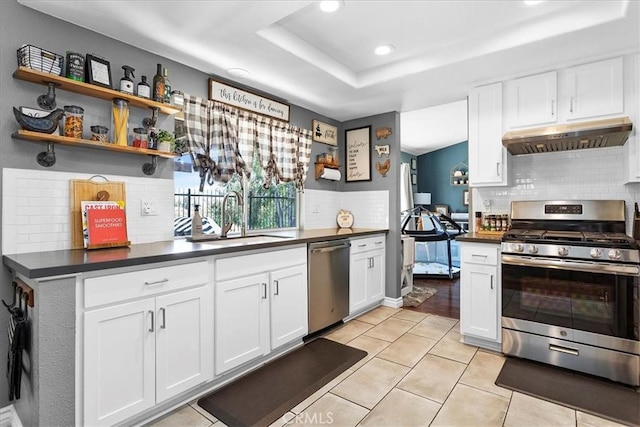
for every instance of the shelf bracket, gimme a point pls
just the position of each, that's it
(150, 168)
(47, 158)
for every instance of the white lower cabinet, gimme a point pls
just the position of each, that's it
(140, 353)
(480, 297)
(366, 273)
(260, 305)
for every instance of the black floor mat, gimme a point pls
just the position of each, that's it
(586, 393)
(264, 395)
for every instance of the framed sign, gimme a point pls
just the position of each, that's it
(358, 154)
(442, 209)
(246, 100)
(465, 197)
(414, 164)
(98, 71)
(324, 133)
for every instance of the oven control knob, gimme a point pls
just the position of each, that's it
(595, 253)
(518, 247)
(614, 254)
(562, 251)
(533, 249)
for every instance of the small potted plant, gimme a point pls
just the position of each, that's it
(166, 141)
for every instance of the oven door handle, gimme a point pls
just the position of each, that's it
(572, 265)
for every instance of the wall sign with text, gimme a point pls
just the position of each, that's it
(247, 101)
(325, 133)
(358, 154)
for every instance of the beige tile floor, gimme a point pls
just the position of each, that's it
(416, 373)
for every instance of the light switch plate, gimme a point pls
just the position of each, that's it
(148, 208)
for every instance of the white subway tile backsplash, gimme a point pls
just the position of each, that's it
(36, 205)
(370, 209)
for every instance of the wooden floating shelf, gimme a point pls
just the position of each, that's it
(65, 140)
(321, 166)
(38, 77)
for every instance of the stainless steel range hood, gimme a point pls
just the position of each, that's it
(575, 136)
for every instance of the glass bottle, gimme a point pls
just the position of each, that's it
(144, 90)
(158, 85)
(167, 86)
(73, 121)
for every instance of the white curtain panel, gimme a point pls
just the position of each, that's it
(406, 190)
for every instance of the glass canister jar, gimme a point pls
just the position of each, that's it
(99, 133)
(140, 138)
(120, 116)
(73, 121)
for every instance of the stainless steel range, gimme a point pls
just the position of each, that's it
(571, 287)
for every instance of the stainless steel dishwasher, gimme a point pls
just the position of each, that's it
(328, 280)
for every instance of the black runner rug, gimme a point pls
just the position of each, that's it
(264, 395)
(586, 393)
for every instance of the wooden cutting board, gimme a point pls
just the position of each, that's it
(87, 189)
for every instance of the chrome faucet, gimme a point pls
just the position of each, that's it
(226, 226)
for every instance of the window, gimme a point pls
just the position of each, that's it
(271, 208)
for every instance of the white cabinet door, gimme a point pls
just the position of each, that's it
(479, 301)
(375, 277)
(119, 362)
(487, 157)
(241, 321)
(532, 100)
(288, 305)
(358, 275)
(184, 341)
(594, 89)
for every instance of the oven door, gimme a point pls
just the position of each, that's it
(572, 295)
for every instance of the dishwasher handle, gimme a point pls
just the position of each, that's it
(332, 248)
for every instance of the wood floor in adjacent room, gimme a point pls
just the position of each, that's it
(446, 302)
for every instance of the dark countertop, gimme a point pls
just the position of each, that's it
(55, 263)
(478, 238)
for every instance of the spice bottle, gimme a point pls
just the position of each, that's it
(120, 113)
(478, 221)
(167, 86)
(99, 133)
(140, 138)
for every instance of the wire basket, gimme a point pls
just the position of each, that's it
(40, 59)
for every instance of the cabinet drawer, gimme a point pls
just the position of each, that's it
(367, 243)
(245, 265)
(479, 254)
(123, 286)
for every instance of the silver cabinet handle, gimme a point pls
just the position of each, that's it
(571, 105)
(277, 291)
(362, 246)
(164, 319)
(498, 168)
(373, 262)
(479, 256)
(264, 291)
(152, 325)
(157, 282)
(492, 281)
(379, 243)
(553, 107)
(567, 350)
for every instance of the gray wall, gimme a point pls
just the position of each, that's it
(391, 182)
(20, 25)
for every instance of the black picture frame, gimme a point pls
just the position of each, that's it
(357, 149)
(98, 71)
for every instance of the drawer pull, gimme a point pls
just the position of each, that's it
(362, 246)
(479, 256)
(379, 243)
(157, 282)
(567, 350)
(164, 319)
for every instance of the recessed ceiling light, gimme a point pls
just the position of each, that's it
(331, 5)
(533, 2)
(384, 49)
(237, 72)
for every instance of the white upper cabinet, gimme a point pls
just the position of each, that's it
(594, 90)
(533, 100)
(487, 157)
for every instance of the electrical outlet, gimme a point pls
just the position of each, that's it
(148, 208)
(316, 209)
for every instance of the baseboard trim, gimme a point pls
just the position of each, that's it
(9, 417)
(392, 302)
